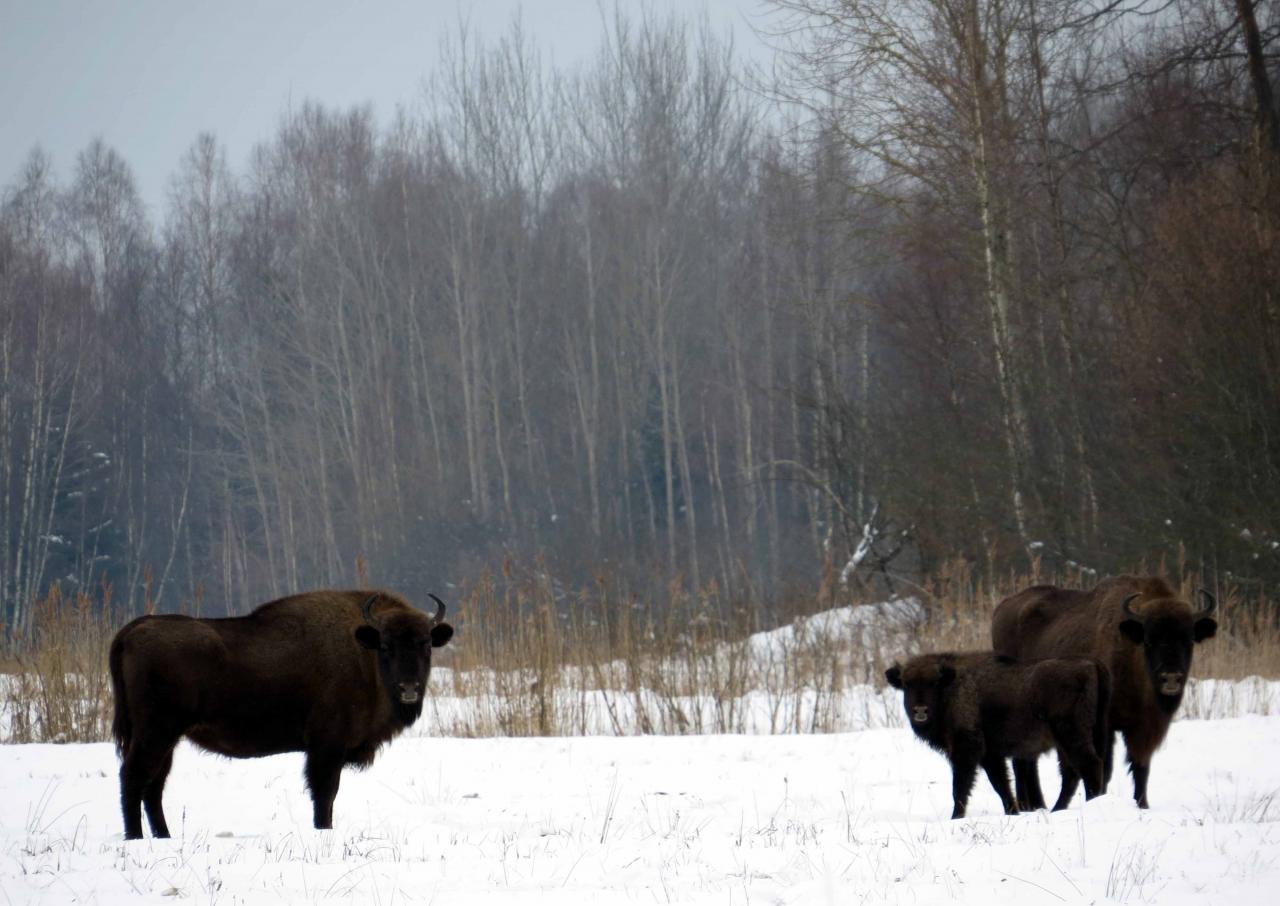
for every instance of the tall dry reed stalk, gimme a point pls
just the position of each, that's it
(58, 688)
(532, 658)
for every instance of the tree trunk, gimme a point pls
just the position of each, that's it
(997, 269)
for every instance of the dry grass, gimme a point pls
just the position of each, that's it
(56, 686)
(533, 659)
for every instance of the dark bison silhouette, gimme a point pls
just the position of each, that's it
(334, 674)
(978, 709)
(1139, 628)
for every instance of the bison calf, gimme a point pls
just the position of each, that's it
(978, 709)
(334, 674)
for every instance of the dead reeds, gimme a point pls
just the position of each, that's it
(532, 658)
(57, 687)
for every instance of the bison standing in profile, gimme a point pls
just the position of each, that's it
(1139, 628)
(978, 709)
(334, 674)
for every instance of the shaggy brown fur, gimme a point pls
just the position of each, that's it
(334, 674)
(1148, 651)
(979, 709)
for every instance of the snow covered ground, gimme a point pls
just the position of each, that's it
(796, 819)
(857, 816)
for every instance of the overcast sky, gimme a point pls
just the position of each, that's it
(148, 75)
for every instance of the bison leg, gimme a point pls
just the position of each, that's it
(998, 774)
(138, 771)
(1083, 762)
(131, 802)
(1077, 758)
(962, 778)
(1140, 774)
(1139, 751)
(965, 756)
(324, 771)
(152, 794)
(1070, 782)
(1026, 782)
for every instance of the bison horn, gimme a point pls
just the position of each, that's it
(1128, 611)
(440, 609)
(1210, 602)
(367, 609)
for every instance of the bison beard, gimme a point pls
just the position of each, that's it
(333, 674)
(979, 709)
(1140, 629)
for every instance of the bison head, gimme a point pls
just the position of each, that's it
(1168, 629)
(403, 639)
(923, 683)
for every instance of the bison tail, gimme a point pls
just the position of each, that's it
(121, 725)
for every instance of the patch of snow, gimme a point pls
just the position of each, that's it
(843, 818)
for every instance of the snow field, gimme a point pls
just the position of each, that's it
(796, 819)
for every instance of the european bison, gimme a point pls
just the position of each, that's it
(1139, 628)
(334, 674)
(978, 709)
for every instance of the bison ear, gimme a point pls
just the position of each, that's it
(1132, 630)
(440, 635)
(1205, 628)
(946, 673)
(894, 676)
(369, 637)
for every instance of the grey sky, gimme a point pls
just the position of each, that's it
(148, 75)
